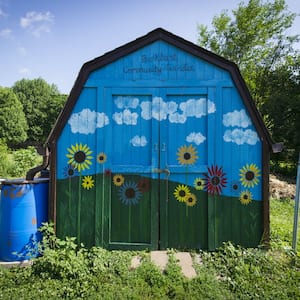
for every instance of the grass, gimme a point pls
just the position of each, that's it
(231, 272)
(282, 221)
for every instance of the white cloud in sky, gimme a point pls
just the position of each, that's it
(125, 117)
(236, 118)
(126, 102)
(139, 141)
(87, 121)
(24, 71)
(240, 136)
(2, 13)
(6, 33)
(195, 137)
(22, 51)
(37, 22)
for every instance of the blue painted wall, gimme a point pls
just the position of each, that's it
(162, 113)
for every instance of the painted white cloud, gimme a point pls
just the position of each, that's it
(195, 137)
(161, 110)
(138, 141)
(236, 118)
(146, 110)
(197, 107)
(240, 136)
(177, 118)
(87, 121)
(125, 117)
(158, 109)
(37, 22)
(126, 102)
(211, 107)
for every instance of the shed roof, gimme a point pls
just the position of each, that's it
(189, 47)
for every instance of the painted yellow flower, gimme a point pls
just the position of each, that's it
(87, 182)
(79, 156)
(245, 197)
(181, 191)
(101, 158)
(199, 184)
(190, 200)
(187, 155)
(249, 175)
(118, 180)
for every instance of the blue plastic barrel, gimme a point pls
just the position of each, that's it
(23, 209)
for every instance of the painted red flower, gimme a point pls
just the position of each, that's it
(215, 180)
(144, 185)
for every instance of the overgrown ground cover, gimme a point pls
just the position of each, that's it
(64, 271)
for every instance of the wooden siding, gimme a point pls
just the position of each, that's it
(159, 149)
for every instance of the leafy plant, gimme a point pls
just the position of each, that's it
(24, 160)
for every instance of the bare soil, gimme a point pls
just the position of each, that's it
(281, 189)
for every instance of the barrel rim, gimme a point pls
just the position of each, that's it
(24, 181)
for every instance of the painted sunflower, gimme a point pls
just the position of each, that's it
(245, 197)
(249, 175)
(101, 158)
(187, 155)
(79, 156)
(181, 191)
(87, 182)
(190, 200)
(215, 180)
(70, 171)
(199, 184)
(129, 193)
(118, 180)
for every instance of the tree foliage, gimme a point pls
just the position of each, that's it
(42, 103)
(13, 124)
(255, 37)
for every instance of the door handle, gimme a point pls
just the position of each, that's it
(168, 173)
(165, 171)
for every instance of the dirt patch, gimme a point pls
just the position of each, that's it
(281, 189)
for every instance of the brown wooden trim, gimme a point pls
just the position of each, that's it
(52, 185)
(265, 193)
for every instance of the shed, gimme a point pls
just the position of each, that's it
(160, 145)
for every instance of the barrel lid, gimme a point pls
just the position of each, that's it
(21, 181)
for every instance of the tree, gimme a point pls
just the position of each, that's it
(42, 103)
(281, 107)
(255, 38)
(13, 124)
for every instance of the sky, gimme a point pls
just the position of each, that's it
(52, 39)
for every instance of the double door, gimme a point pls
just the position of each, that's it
(157, 155)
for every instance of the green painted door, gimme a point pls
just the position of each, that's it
(184, 157)
(154, 177)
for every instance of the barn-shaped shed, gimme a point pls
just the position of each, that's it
(160, 146)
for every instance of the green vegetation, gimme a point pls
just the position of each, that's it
(70, 272)
(13, 124)
(42, 103)
(16, 163)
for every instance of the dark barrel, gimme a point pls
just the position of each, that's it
(23, 209)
